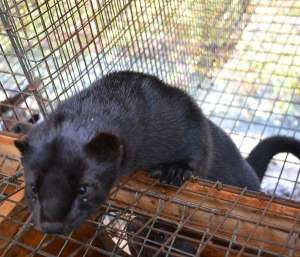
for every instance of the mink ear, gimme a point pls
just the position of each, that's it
(104, 147)
(22, 145)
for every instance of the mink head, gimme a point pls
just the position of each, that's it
(67, 178)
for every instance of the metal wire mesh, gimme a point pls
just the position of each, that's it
(240, 59)
(65, 45)
(139, 220)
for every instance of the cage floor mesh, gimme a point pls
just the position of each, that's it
(145, 218)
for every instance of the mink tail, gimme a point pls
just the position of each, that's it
(262, 154)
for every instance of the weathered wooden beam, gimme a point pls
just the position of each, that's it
(7, 144)
(256, 220)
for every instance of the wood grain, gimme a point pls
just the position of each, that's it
(255, 219)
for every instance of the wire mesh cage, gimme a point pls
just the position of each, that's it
(239, 59)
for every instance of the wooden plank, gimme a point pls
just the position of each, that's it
(189, 244)
(7, 146)
(7, 206)
(9, 167)
(260, 222)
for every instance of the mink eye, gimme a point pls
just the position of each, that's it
(82, 189)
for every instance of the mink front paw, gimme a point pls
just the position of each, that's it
(173, 174)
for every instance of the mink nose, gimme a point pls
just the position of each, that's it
(52, 227)
(54, 211)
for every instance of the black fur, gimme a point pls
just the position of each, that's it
(124, 122)
(261, 155)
